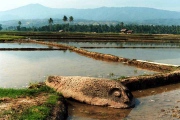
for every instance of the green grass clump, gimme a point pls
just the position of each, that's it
(36, 112)
(40, 112)
(10, 37)
(14, 93)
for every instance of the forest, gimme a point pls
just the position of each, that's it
(146, 29)
(69, 26)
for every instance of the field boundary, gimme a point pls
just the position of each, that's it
(112, 58)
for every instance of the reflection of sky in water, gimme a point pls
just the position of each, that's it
(151, 104)
(19, 68)
(162, 55)
(121, 44)
(169, 56)
(156, 107)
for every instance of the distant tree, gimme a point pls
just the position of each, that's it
(0, 27)
(71, 19)
(65, 18)
(50, 21)
(19, 27)
(19, 23)
(122, 25)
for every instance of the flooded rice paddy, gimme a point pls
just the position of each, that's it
(19, 68)
(123, 44)
(168, 56)
(21, 45)
(168, 53)
(24, 67)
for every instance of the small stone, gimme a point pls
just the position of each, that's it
(162, 110)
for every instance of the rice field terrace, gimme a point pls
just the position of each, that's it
(147, 64)
(97, 36)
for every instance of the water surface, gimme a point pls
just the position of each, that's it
(168, 56)
(152, 104)
(19, 68)
(122, 44)
(21, 45)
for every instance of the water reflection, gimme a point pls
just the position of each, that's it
(21, 45)
(162, 103)
(168, 56)
(80, 111)
(161, 55)
(121, 44)
(19, 68)
(151, 104)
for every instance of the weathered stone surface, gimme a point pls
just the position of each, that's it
(92, 91)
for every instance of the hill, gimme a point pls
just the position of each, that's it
(139, 15)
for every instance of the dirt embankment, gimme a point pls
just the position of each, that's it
(144, 82)
(113, 58)
(105, 37)
(28, 49)
(169, 73)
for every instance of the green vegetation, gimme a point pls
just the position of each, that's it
(39, 111)
(122, 77)
(50, 21)
(65, 18)
(0, 27)
(105, 28)
(71, 19)
(14, 93)
(19, 27)
(35, 113)
(111, 74)
(9, 37)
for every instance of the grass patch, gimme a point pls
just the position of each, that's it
(39, 111)
(10, 37)
(14, 93)
(35, 113)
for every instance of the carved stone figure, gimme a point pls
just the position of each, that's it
(94, 91)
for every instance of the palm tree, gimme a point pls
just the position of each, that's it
(71, 19)
(65, 18)
(0, 27)
(19, 27)
(19, 23)
(50, 21)
(122, 25)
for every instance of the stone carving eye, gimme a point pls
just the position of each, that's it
(115, 92)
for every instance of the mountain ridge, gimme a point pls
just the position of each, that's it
(121, 14)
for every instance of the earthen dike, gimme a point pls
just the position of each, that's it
(167, 73)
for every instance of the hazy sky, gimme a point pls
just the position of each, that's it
(160, 4)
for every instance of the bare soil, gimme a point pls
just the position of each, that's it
(11, 106)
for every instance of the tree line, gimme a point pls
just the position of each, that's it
(147, 29)
(69, 26)
(0, 27)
